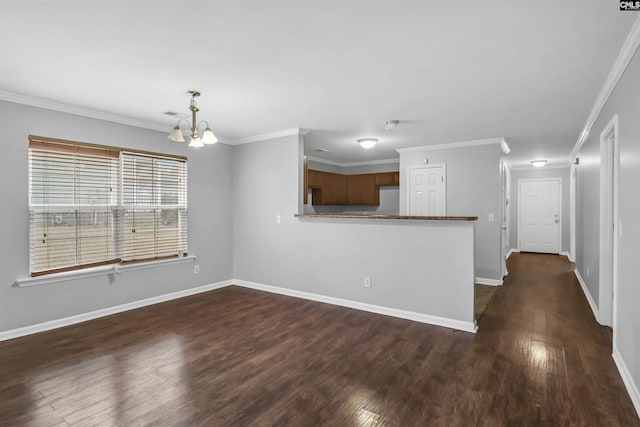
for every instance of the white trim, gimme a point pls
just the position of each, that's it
(531, 167)
(609, 179)
(587, 294)
(489, 282)
(80, 111)
(350, 164)
(627, 51)
(572, 212)
(269, 135)
(518, 222)
(83, 317)
(97, 271)
(503, 145)
(567, 254)
(387, 311)
(444, 184)
(512, 251)
(627, 379)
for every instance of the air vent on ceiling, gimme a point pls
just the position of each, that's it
(321, 150)
(174, 114)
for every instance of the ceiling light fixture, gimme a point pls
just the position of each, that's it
(367, 142)
(391, 124)
(196, 141)
(538, 163)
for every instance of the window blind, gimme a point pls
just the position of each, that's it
(154, 200)
(73, 206)
(92, 205)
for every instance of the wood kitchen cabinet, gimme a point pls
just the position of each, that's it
(327, 188)
(355, 190)
(362, 190)
(387, 179)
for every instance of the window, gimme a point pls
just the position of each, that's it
(92, 205)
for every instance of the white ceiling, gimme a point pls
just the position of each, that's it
(450, 71)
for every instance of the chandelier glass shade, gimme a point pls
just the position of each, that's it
(199, 132)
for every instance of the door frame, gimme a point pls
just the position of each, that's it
(504, 214)
(559, 182)
(609, 227)
(444, 184)
(573, 200)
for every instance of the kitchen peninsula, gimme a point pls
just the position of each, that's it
(415, 267)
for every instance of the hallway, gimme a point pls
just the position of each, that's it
(554, 359)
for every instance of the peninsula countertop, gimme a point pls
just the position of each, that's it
(394, 217)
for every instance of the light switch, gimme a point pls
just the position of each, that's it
(278, 219)
(492, 217)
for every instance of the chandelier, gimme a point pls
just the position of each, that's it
(194, 127)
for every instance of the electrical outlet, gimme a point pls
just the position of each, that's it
(196, 269)
(367, 281)
(278, 219)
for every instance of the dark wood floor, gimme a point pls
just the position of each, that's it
(482, 296)
(238, 357)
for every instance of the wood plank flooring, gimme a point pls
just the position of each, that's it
(239, 357)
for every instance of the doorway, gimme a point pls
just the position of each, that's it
(608, 222)
(427, 190)
(539, 215)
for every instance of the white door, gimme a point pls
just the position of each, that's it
(427, 196)
(539, 214)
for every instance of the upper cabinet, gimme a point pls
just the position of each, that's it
(387, 179)
(356, 190)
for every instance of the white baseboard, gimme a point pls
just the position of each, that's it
(567, 254)
(587, 294)
(490, 282)
(631, 386)
(512, 251)
(387, 311)
(83, 317)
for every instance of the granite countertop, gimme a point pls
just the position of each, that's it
(402, 217)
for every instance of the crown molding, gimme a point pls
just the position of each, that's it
(629, 47)
(503, 145)
(270, 135)
(352, 164)
(47, 104)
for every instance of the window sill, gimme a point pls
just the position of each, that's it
(97, 271)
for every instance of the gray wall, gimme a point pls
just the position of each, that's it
(624, 101)
(353, 170)
(564, 174)
(332, 258)
(473, 189)
(209, 218)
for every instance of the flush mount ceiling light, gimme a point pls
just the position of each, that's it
(196, 140)
(367, 142)
(538, 163)
(391, 124)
